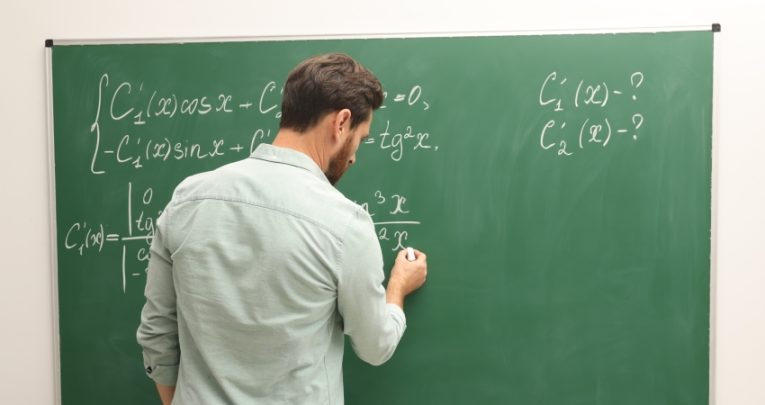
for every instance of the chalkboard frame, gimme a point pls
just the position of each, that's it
(50, 43)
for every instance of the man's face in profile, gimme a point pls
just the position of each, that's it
(346, 156)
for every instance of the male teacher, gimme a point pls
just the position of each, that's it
(260, 267)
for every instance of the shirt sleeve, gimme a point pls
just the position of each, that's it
(158, 331)
(374, 327)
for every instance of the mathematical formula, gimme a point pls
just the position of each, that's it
(563, 137)
(132, 102)
(138, 106)
(85, 238)
(392, 219)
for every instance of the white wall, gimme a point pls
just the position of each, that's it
(26, 340)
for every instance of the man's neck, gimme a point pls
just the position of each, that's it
(304, 142)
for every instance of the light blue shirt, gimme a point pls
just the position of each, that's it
(257, 271)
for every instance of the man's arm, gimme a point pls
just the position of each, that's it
(158, 331)
(373, 318)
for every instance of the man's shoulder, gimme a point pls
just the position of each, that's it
(340, 211)
(278, 187)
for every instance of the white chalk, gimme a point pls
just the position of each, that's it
(410, 254)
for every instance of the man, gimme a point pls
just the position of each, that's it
(260, 267)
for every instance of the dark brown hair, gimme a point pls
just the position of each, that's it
(328, 83)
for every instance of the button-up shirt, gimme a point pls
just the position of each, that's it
(257, 271)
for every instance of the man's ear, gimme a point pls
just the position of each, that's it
(342, 124)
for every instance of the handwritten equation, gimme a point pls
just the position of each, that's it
(392, 218)
(135, 126)
(135, 105)
(556, 96)
(391, 215)
(85, 238)
(412, 99)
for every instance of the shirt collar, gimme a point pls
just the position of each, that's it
(287, 156)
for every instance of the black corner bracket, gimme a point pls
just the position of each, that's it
(716, 27)
(48, 43)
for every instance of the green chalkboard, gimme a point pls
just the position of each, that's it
(559, 183)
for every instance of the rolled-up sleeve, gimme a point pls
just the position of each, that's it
(374, 327)
(158, 331)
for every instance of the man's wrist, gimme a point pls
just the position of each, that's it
(394, 295)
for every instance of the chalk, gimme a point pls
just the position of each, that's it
(410, 254)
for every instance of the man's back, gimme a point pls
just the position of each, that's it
(267, 261)
(257, 269)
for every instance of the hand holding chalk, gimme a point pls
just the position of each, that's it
(408, 274)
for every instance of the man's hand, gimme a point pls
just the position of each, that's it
(166, 393)
(406, 277)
